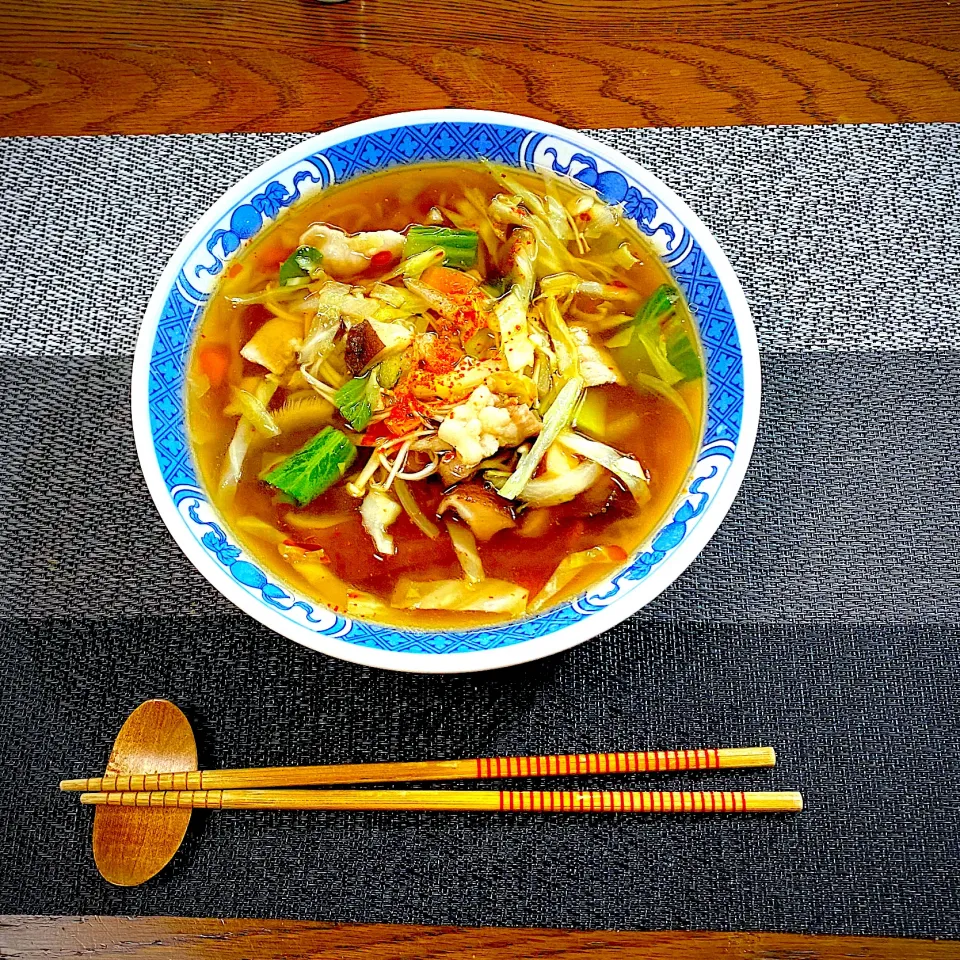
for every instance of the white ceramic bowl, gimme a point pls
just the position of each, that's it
(690, 252)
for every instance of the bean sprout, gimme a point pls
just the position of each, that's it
(357, 487)
(398, 463)
(397, 468)
(325, 391)
(412, 435)
(430, 469)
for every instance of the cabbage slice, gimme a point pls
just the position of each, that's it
(314, 567)
(315, 521)
(553, 490)
(260, 529)
(378, 512)
(626, 468)
(488, 596)
(564, 342)
(669, 394)
(413, 265)
(360, 604)
(404, 303)
(572, 565)
(434, 299)
(465, 546)
(242, 438)
(251, 408)
(561, 412)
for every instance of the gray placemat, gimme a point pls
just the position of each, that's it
(821, 618)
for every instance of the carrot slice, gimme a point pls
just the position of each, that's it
(451, 282)
(379, 431)
(214, 362)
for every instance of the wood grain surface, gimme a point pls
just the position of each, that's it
(131, 846)
(105, 66)
(159, 938)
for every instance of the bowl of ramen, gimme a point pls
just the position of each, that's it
(445, 390)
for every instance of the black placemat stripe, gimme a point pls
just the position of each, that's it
(858, 714)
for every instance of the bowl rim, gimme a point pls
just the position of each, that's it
(530, 649)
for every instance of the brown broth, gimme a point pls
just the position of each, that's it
(653, 429)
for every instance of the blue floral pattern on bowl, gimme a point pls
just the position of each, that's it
(514, 145)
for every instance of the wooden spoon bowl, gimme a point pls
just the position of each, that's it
(133, 844)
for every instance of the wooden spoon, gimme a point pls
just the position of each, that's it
(133, 845)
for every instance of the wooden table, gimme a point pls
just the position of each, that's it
(170, 938)
(142, 66)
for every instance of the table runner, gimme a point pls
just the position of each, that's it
(822, 617)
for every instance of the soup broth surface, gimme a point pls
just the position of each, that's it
(323, 548)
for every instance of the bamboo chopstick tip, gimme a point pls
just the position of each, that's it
(68, 785)
(759, 757)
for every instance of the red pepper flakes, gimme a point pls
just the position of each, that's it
(381, 259)
(403, 415)
(441, 356)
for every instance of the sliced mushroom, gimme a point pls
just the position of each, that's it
(431, 444)
(454, 469)
(363, 345)
(481, 509)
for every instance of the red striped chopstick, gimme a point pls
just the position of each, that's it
(649, 761)
(501, 801)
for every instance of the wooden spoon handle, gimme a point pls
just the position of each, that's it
(492, 768)
(533, 801)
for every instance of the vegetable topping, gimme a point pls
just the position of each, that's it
(467, 380)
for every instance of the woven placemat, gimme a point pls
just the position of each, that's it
(821, 619)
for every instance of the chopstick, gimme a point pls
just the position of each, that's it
(531, 801)
(650, 761)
